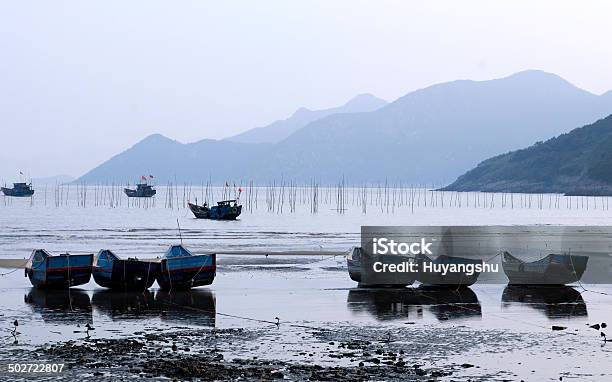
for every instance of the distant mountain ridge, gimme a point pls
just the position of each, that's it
(429, 135)
(279, 130)
(576, 163)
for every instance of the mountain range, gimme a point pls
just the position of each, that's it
(279, 130)
(576, 163)
(429, 135)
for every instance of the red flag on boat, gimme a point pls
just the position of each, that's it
(239, 190)
(143, 177)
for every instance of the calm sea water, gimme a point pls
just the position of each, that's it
(497, 328)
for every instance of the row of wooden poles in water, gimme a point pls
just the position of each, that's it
(287, 196)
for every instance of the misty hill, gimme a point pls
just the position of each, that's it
(438, 132)
(430, 135)
(279, 130)
(168, 160)
(576, 163)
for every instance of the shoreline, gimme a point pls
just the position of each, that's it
(20, 263)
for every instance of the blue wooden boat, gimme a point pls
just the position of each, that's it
(143, 190)
(180, 269)
(58, 271)
(451, 279)
(224, 210)
(19, 190)
(360, 269)
(110, 271)
(554, 269)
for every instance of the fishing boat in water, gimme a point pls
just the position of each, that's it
(58, 271)
(110, 271)
(143, 190)
(19, 190)
(224, 210)
(436, 278)
(181, 269)
(554, 269)
(361, 269)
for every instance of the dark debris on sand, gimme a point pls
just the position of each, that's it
(173, 355)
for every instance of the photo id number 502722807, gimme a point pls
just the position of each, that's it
(35, 367)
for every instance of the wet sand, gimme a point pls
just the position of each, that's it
(327, 329)
(12, 263)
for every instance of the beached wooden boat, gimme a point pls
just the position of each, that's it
(58, 271)
(19, 190)
(450, 279)
(224, 210)
(553, 269)
(180, 269)
(143, 190)
(110, 271)
(361, 269)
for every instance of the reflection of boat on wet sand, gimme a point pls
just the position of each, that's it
(58, 271)
(360, 268)
(190, 307)
(553, 269)
(112, 272)
(554, 301)
(121, 305)
(60, 305)
(390, 304)
(450, 279)
(194, 307)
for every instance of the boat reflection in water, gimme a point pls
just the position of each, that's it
(554, 301)
(402, 303)
(125, 305)
(192, 307)
(60, 305)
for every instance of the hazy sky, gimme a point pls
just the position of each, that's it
(83, 80)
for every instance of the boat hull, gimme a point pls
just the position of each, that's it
(215, 212)
(60, 271)
(360, 268)
(17, 193)
(127, 275)
(450, 280)
(139, 194)
(186, 272)
(552, 270)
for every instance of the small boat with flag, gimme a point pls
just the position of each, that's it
(181, 269)
(554, 269)
(19, 190)
(112, 272)
(58, 271)
(224, 210)
(143, 189)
